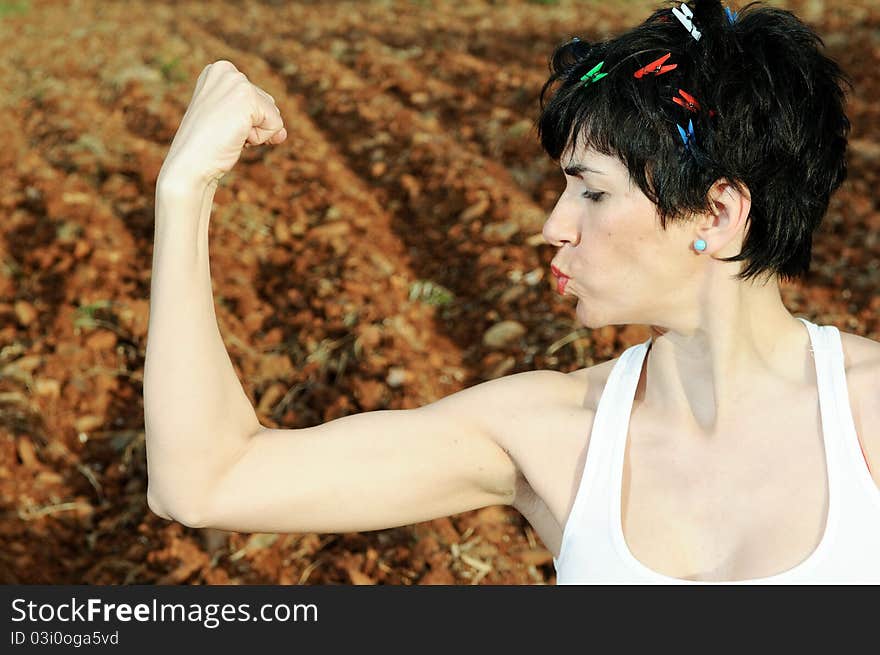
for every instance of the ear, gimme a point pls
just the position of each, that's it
(728, 216)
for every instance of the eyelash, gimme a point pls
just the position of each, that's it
(593, 195)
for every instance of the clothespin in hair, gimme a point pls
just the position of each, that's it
(593, 75)
(688, 136)
(655, 67)
(731, 15)
(685, 16)
(689, 102)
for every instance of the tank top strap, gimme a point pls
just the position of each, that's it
(614, 407)
(831, 373)
(616, 400)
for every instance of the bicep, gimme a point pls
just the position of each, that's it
(365, 471)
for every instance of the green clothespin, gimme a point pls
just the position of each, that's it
(593, 75)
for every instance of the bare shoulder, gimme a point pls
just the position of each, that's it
(591, 381)
(527, 412)
(550, 447)
(860, 352)
(862, 362)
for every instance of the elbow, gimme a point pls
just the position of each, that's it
(185, 513)
(181, 487)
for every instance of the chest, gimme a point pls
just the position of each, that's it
(751, 507)
(746, 505)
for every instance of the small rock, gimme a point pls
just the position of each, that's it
(27, 453)
(271, 397)
(397, 376)
(25, 312)
(475, 211)
(101, 341)
(605, 337)
(28, 363)
(88, 423)
(500, 232)
(370, 336)
(503, 333)
(445, 530)
(501, 368)
(536, 557)
(369, 393)
(49, 477)
(47, 387)
(359, 578)
(511, 294)
(536, 240)
(534, 276)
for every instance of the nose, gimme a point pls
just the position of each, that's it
(562, 226)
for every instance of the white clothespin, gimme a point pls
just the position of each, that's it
(684, 16)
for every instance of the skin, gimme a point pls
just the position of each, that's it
(721, 346)
(719, 334)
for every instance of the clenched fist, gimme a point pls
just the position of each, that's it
(225, 114)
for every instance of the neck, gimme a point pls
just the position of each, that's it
(738, 342)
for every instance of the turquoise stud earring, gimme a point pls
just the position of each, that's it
(699, 245)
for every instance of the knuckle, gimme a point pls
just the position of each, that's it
(243, 89)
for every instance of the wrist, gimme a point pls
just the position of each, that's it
(183, 201)
(175, 183)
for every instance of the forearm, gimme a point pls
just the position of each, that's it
(197, 417)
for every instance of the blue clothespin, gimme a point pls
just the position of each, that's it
(688, 136)
(731, 15)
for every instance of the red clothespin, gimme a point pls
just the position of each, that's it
(689, 102)
(656, 67)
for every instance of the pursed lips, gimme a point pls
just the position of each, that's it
(561, 279)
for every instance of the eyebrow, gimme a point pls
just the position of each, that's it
(576, 170)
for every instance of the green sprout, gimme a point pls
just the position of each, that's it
(430, 293)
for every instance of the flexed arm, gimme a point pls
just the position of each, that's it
(210, 462)
(196, 414)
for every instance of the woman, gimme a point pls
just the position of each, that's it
(738, 443)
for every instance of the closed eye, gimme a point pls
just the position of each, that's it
(593, 195)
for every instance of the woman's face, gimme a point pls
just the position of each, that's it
(623, 267)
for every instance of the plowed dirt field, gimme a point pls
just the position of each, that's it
(358, 266)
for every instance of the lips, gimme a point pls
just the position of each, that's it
(561, 279)
(560, 284)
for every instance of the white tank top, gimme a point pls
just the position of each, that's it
(593, 546)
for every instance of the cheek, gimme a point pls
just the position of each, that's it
(601, 256)
(617, 236)
(623, 246)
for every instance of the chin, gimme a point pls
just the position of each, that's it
(588, 316)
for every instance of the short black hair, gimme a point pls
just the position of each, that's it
(771, 117)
